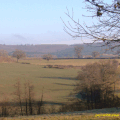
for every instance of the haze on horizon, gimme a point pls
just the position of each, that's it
(38, 21)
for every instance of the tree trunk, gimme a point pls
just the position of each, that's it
(26, 107)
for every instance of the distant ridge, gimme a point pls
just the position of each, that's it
(58, 50)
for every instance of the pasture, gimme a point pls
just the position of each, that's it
(74, 62)
(57, 83)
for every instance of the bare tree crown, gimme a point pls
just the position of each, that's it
(106, 30)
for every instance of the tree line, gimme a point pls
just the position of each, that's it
(24, 102)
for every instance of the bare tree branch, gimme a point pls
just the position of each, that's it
(106, 30)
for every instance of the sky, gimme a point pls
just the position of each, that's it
(39, 21)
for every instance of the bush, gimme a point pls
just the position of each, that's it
(61, 67)
(55, 66)
(45, 66)
(50, 66)
(25, 63)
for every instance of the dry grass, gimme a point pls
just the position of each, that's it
(64, 117)
(57, 82)
(74, 62)
(6, 59)
(96, 114)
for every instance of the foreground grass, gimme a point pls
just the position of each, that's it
(67, 117)
(95, 114)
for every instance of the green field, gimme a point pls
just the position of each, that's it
(57, 83)
(75, 62)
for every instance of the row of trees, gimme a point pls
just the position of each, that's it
(24, 101)
(17, 53)
(78, 50)
(20, 54)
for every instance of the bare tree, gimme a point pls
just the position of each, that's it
(78, 50)
(95, 54)
(26, 98)
(5, 105)
(30, 97)
(3, 53)
(40, 104)
(47, 57)
(106, 29)
(19, 54)
(18, 93)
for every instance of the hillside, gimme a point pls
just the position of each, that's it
(60, 50)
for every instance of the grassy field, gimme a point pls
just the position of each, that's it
(57, 83)
(74, 62)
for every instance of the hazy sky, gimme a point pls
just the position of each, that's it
(38, 21)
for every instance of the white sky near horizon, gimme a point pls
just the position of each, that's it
(38, 21)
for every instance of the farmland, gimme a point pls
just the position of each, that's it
(56, 84)
(54, 81)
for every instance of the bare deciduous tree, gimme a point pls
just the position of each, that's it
(40, 104)
(47, 57)
(4, 106)
(106, 29)
(3, 53)
(18, 93)
(78, 50)
(28, 97)
(19, 54)
(95, 54)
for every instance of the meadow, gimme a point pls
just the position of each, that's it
(56, 84)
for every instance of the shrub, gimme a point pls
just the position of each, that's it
(50, 66)
(25, 63)
(45, 66)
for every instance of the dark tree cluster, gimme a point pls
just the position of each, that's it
(97, 84)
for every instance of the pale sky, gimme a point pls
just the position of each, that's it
(38, 21)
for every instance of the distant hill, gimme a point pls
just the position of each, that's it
(57, 50)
